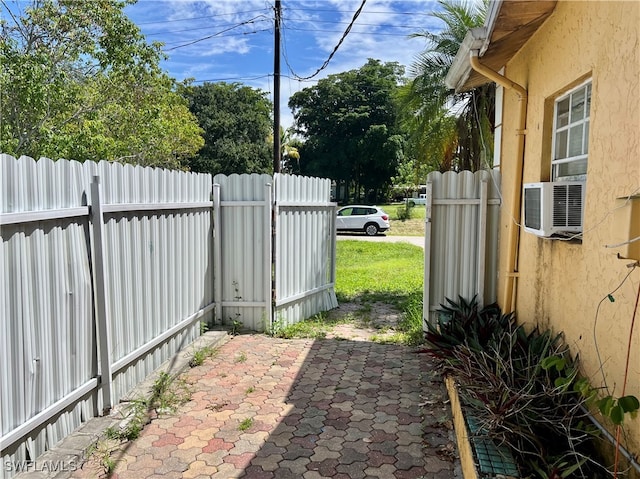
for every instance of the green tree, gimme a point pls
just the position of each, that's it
(349, 125)
(79, 81)
(449, 130)
(236, 121)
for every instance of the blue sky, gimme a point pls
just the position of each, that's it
(232, 40)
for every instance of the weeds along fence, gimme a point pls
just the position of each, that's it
(107, 271)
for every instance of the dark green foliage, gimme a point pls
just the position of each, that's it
(463, 324)
(404, 212)
(521, 386)
(236, 121)
(349, 124)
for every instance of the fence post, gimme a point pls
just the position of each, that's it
(482, 241)
(427, 255)
(269, 266)
(334, 241)
(100, 291)
(217, 254)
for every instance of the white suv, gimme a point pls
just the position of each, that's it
(369, 219)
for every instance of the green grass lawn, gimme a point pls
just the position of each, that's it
(367, 272)
(371, 271)
(413, 226)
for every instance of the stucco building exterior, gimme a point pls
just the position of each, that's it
(568, 110)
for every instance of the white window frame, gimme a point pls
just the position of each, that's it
(584, 123)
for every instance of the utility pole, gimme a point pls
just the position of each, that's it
(276, 89)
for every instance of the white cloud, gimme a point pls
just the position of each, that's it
(310, 31)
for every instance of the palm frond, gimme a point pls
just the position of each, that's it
(429, 105)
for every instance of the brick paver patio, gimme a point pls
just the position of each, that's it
(312, 409)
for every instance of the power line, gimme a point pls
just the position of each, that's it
(389, 12)
(257, 77)
(239, 34)
(202, 18)
(335, 49)
(209, 27)
(381, 25)
(353, 32)
(213, 35)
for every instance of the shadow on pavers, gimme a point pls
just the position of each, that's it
(275, 408)
(69, 455)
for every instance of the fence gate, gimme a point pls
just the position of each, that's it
(305, 248)
(258, 281)
(461, 238)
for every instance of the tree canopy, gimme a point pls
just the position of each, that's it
(236, 121)
(80, 82)
(349, 125)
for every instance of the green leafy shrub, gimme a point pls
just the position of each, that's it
(463, 324)
(404, 212)
(521, 387)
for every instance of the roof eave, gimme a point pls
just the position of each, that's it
(508, 26)
(458, 74)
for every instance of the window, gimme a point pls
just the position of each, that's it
(571, 134)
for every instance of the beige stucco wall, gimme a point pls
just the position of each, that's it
(561, 283)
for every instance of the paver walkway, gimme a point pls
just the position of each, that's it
(314, 409)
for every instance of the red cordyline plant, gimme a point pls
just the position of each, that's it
(519, 387)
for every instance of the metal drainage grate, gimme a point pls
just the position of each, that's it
(491, 459)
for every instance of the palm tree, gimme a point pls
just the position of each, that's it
(449, 130)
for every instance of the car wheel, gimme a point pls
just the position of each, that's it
(371, 229)
(412, 203)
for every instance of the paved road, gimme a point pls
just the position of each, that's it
(415, 240)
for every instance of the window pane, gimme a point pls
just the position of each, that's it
(575, 140)
(561, 145)
(586, 138)
(577, 105)
(562, 113)
(588, 109)
(573, 168)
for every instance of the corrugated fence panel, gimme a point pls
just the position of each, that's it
(47, 333)
(157, 253)
(158, 261)
(244, 234)
(159, 274)
(305, 245)
(455, 248)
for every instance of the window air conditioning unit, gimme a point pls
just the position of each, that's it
(553, 207)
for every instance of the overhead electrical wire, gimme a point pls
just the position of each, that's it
(247, 22)
(335, 49)
(239, 34)
(352, 33)
(265, 10)
(257, 77)
(262, 18)
(390, 12)
(208, 27)
(379, 25)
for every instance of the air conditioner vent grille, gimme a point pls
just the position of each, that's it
(552, 208)
(567, 205)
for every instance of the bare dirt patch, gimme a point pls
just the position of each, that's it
(365, 321)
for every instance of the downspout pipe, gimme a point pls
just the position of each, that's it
(508, 300)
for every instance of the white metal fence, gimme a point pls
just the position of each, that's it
(243, 205)
(461, 238)
(107, 269)
(304, 254)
